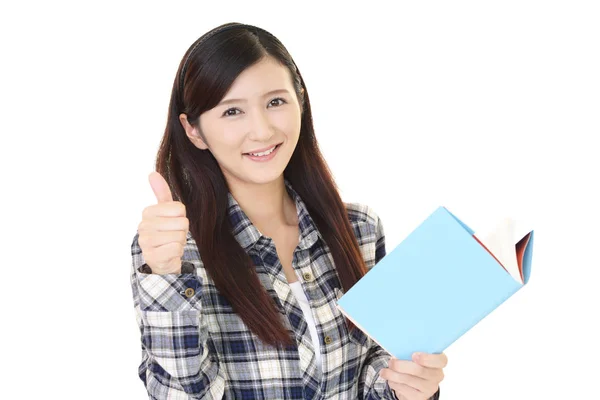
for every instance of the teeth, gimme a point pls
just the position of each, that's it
(264, 153)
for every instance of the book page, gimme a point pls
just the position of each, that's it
(501, 242)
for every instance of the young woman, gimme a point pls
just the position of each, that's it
(237, 269)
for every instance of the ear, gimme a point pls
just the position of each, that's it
(192, 133)
(301, 100)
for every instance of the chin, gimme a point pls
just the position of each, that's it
(263, 179)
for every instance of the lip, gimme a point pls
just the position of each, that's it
(263, 149)
(264, 159)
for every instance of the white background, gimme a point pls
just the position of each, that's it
(488, 108)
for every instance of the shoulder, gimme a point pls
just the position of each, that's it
(368, 230)
(365, 221)
(362, 214)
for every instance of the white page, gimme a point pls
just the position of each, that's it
(501, 241)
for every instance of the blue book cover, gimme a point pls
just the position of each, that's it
(435, 285)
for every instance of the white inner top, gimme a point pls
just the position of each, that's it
(303, 300)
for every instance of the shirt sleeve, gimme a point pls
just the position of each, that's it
(371, 385)
(175, 362)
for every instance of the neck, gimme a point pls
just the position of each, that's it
(268, 206)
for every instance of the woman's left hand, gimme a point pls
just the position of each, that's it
(418, 379)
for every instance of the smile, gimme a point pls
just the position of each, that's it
(264, 155)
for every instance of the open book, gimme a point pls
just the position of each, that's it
(438, 283)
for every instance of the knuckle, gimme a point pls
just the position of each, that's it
(147, 212)
(151, 241)
(143, 226)
(148, 256)
(419, 370)
(142, 241)
(180, 208)
(392, 363)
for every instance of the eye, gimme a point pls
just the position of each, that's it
(278, 101)
(230, 112)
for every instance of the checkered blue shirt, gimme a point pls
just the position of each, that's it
(195, 347)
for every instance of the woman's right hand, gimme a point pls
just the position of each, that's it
(163, 230)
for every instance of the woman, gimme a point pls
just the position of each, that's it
(235, 281)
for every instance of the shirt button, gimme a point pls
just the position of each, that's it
(327, 339)
(307, 276)
(189, 292)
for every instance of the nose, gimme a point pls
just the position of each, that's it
(260, 126)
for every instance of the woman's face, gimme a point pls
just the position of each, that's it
(260, 111)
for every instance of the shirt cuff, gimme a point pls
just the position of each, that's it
(186, 268)
(169, 292)
(436, 396)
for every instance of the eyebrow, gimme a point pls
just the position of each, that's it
(228, 101)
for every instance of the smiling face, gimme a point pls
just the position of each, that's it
(260, 114)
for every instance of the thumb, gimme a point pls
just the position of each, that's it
(160, 187)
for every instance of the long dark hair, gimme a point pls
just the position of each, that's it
(205, 74)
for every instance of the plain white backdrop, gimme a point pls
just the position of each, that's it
(488, 108)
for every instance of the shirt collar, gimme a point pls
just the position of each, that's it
(248, 236)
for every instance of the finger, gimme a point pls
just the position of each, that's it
(169, 209)
(406, 392)
(431, 360)
(414, 382)
(162, 224)
(160, 187)
(411, 368)
(161, 238)
(166, 252)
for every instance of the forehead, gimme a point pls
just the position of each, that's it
(267, 74)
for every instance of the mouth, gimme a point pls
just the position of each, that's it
(265, 154)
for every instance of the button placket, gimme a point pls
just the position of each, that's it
(297, 261)
(303, 267)
(308, 277)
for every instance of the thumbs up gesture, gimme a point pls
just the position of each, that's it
(163, 230)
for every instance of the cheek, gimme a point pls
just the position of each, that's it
(288, 123)
(229, 138)
(223, 136)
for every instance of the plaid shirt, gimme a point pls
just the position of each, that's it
(195, 347)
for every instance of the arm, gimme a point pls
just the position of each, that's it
(175, 360)
(370, 383)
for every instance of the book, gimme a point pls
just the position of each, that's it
(438, 283)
